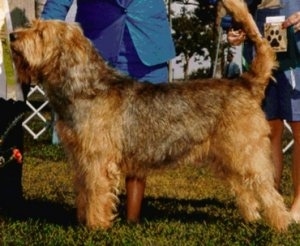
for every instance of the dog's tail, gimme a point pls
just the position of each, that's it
(264, 62)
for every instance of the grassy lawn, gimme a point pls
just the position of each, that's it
(183, 206)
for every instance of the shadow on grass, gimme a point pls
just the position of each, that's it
(154, 209)
(46, 211)
(209, 210)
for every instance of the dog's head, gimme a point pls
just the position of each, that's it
(43, 45)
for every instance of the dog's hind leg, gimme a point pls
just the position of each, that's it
(245, 157)
(263, 185)
(273, 206)
(245, 198)
(252, 181)
(272, 203)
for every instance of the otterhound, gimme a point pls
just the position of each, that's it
(110, 123)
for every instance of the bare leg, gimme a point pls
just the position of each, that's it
(295, 210)
(135, 188)
(276, 146)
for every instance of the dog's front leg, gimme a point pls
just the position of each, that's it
(97, 189)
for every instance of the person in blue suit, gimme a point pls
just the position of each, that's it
(134, 37)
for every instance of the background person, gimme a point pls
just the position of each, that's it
(231, 70)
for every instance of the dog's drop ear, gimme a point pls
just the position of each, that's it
(72, 38)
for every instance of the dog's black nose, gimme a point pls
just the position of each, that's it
(12, 36)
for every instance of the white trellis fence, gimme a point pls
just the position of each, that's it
(36, 112)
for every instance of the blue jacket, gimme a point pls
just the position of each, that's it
(104, 21)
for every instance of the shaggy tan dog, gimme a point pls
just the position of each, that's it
(110, 123)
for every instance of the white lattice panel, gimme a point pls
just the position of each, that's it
(36, 112)
(289, 145)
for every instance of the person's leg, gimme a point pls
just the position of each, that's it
(276, 146)
(295, 209)
(135, 188)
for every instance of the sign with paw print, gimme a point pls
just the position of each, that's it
(275, 34)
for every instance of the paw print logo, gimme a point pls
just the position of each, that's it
(274, 38)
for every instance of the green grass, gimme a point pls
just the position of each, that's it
(183, 206)
(9, 70)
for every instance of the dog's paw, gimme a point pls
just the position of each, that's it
(295, 217)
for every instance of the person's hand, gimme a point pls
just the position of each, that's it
(294, 20)
(236, 37)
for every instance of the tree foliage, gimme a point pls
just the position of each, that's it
(194, 33)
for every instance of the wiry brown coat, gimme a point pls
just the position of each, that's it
(111, 123)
